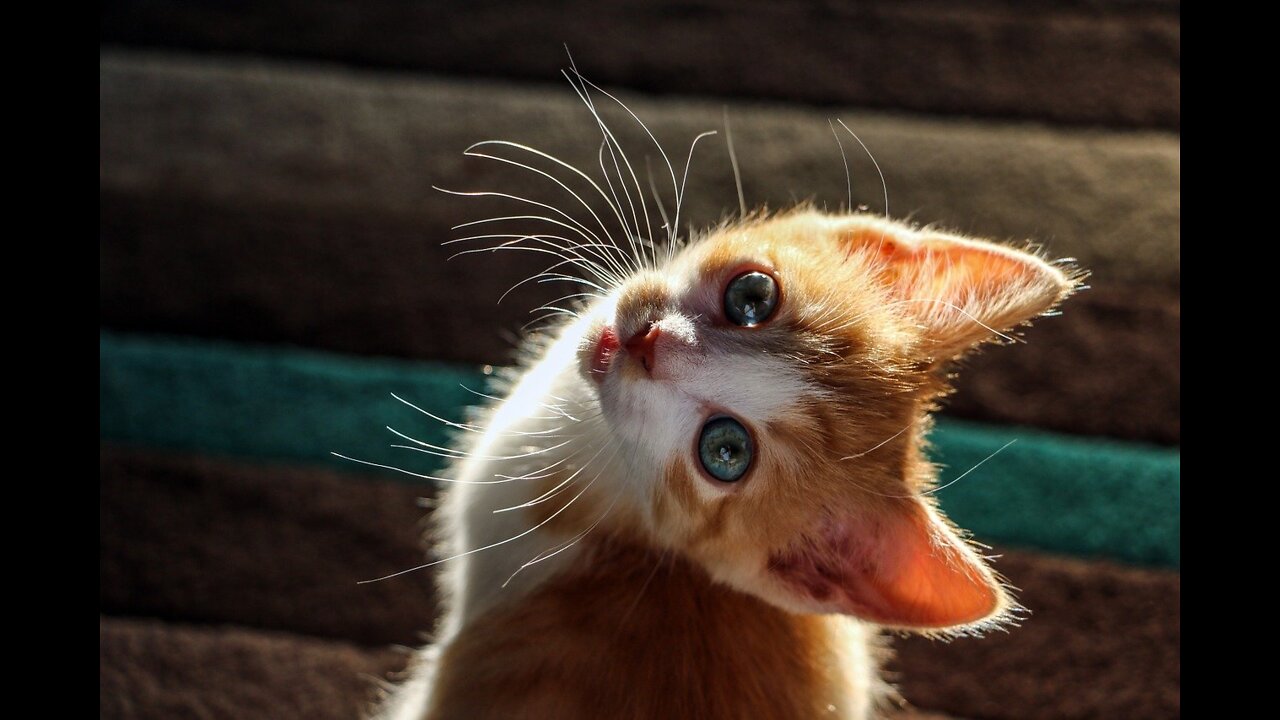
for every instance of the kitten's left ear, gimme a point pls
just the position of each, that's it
(900, 565)
(962, 291)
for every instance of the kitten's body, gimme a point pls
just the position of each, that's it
(598, 572)
(705, 492)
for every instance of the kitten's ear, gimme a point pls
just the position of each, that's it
(900, 566)
(962, 291)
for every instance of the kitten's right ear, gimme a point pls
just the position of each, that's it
(961, 291)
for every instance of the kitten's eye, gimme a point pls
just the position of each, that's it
(725, 449)
(750, 298)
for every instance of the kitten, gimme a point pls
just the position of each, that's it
(706, 489)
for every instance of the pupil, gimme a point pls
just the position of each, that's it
(750, 298)
(724, 449)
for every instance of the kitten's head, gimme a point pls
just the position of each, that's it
(770, 387)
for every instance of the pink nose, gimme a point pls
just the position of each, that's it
(641, 346)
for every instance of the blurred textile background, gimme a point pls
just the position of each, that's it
(271, 271)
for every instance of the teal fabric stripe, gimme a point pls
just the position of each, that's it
(1066, 494)
(1063, 494)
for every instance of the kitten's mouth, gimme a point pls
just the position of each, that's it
(606, 348)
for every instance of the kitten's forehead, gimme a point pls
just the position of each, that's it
(832, 306)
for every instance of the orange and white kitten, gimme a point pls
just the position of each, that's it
(706, 491)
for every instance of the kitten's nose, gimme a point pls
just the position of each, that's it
(641, 345)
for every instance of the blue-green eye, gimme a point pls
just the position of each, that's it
(750, 298)
(725, 449)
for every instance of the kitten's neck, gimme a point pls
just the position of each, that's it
(627, 624)
(538, 455)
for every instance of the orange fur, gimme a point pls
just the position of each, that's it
(633, 633)
(695, 598)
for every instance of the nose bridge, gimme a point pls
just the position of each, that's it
(644, 301)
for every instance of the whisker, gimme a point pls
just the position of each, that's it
(662, 210)
(574, 541)
(879, 445)
(639, 122)
(586, 98)
(543, 173)
(617, 211)
(490, 546)
(560, 486)
(883, 184)
(975, 467)
(685, 180)
(419, 475)
(733, 160)
(848, 180)
(517, 198)
(426, 447)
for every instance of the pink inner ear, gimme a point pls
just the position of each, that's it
(900, 567)
(961, 289)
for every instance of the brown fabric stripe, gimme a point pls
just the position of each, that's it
(1101, 641)
(215, 542)
(1093, 62)
(195, 539)
(151, 669)
(1110, 365)
(249, 137)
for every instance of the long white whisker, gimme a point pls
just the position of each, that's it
(634, 232)
(643, 126)
(546, 273)
(544, 174)
(975, 467)
(560, 486)
(517, 198)
(883, 184)
(570, 246)
(662, 210)
(586, 98)
(462, 453)
(581, 262)
(433, 478)
(490, 546)
(469, 427)
(543, 556)
(617, 210)
(879, 445)
(685, 180)
(733, 160)
(848, 179)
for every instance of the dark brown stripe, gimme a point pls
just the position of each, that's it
(189, 538)
(1075, 61)
(1102, 641)
(152, 669)
(155, 670)
(1110, 365)
(206, 541)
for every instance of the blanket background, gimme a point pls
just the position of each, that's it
(271, 269)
